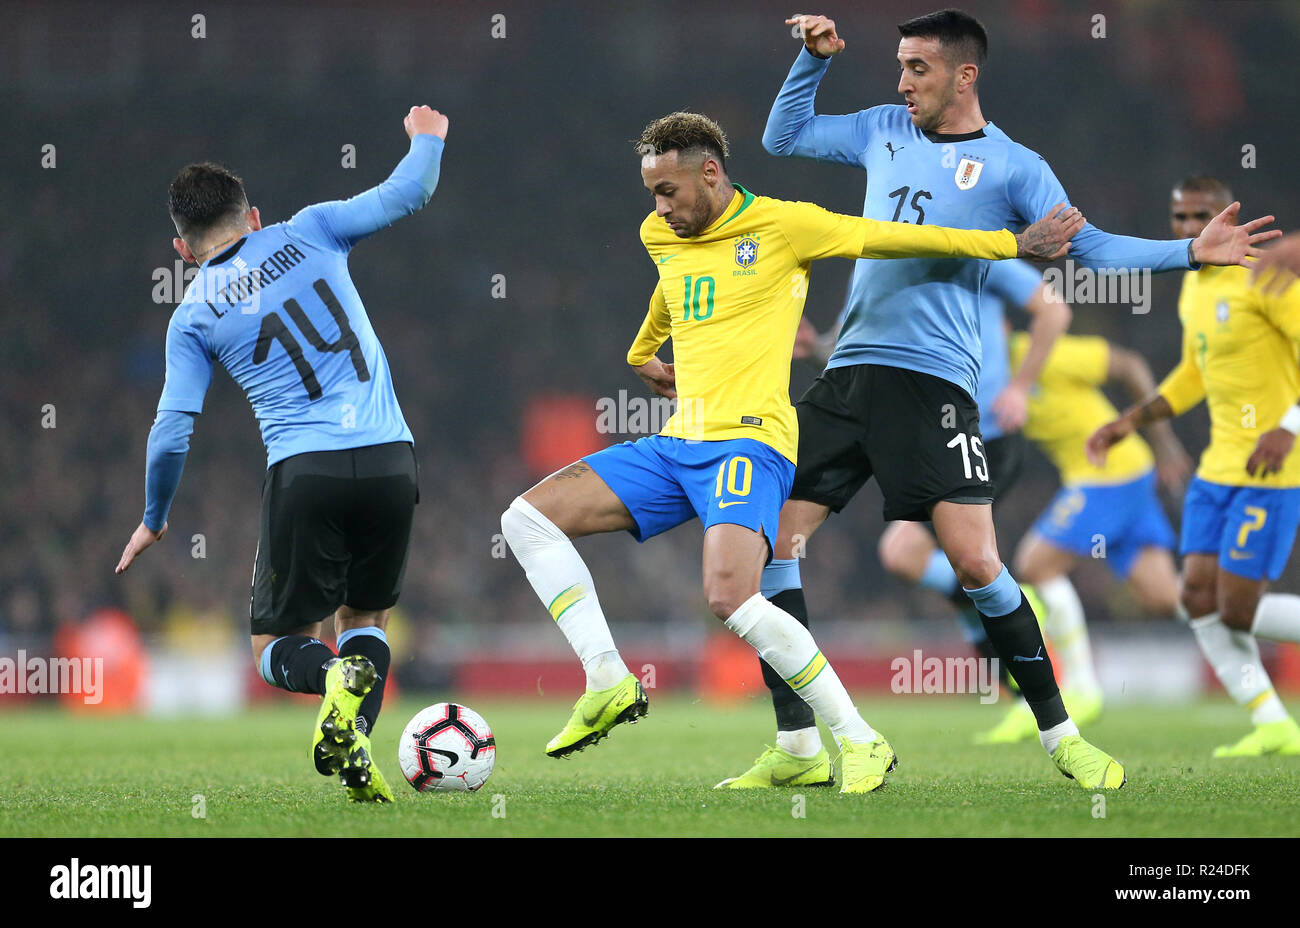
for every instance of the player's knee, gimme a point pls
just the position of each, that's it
(893, 549)
(1197, 599)
(520, 523)
(725, 596)
(977, 568)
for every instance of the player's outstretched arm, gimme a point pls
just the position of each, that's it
(407, 189)
(793, 126)
(1045, 240)
(1225, 243)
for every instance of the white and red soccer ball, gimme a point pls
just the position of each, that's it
(447, 747)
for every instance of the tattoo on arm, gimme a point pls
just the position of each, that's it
(574, 470)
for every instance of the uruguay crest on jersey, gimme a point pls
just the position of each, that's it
(746, 250)
(968, 173)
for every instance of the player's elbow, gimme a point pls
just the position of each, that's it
(776, 142)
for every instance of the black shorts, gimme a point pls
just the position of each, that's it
(917, 434)
(1006, 454)
(336, 526)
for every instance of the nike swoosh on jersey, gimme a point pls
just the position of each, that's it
(734, 502)
(664, 259)
(1240, 555)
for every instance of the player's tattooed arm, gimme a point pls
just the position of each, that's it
(1049, 238)
(1156, 409)
(573, 471)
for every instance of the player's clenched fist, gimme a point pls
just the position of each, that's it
(818, 33)
(425, 121)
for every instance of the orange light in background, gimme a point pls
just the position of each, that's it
(558, 428)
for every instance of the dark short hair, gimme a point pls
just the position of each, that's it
(961, 35)
(205, 196)
(1203, 183)
(684, 132)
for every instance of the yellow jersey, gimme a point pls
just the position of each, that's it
(732, 296)
(1066, 405)
(1240, 356)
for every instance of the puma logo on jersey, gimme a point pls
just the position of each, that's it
(892, 150)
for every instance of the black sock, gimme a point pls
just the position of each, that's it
(973, 624)
(374, 647)
(298, 664)
(1017, 635)
(792, 713)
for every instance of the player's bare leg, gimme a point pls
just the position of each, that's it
(906, 550)
(1220, 608)
(1154, 581)
(733, 564)
(539, 527)
(965, 533)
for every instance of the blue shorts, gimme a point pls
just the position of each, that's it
(1113, 521)
(1251, 529)
(664, 482)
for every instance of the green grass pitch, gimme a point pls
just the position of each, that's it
(73, 776)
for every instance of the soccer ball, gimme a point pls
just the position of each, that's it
(447, 747)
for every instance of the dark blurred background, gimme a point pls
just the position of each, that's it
(539, 185)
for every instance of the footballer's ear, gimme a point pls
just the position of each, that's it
(254, 220)
(183, 250)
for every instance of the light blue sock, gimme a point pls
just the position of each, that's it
(374, 630)
(264, 665)
(1001, 597)
(939, 575)
(779, 576)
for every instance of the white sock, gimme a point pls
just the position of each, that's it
(802, 743)
(564, 585)
(789, 649)
(1277, 617)
(1051, 737)
(1068, 632)
(1234, 656)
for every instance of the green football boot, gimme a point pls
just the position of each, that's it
(360, 775)
(1269, 738)
(1090, 767)
(346, 683)
(863, 766)
(596, 712)
(776, 767)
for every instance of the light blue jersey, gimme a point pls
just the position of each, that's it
(279, 311)
(923, 314)
(1009, 283)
